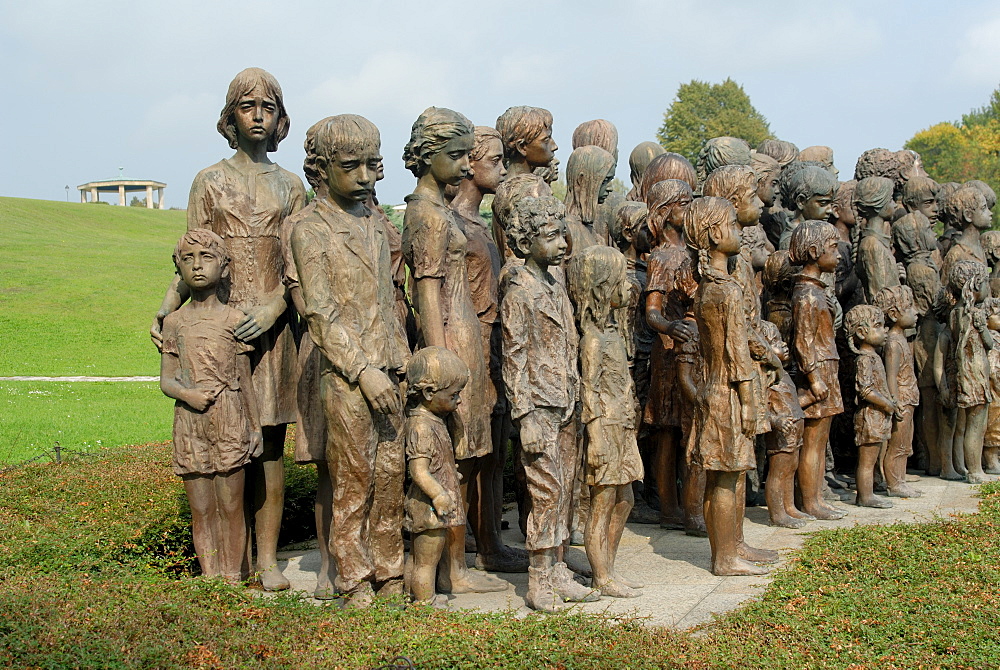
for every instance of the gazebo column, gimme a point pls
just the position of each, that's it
(93, 195)
(121, 195)
(149, 197)
(159, 198)
(83, 196)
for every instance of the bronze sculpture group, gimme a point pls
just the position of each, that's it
(713, 324)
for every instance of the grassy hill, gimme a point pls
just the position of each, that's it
(78, 288)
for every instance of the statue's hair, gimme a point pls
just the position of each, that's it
(770, 332)
(963, 279)
(763, 165)
(327, 137)
(858, 317)
(586, 170)
(778, 273)
(628, 215)
(735, 183)
(521, 124)
(907, 236)
(483, 136)
(990, 239)
(942, 305)
(640, 158)
(878, 162)
(720, 151)
(599, 133)
(871, 195)
(894, 298)
(808, 240)
(700, 218)
(433, 369)
(668, 165)
(530, 214)
(591, 276)
(203, 237)
(818, 154)
(907, 159)
(964, 198)
(844, 200)
(917, 188)
(945, 190)
(242, 84)
(433, 129)
(666, 192)
(800, 179)
(513, 189)
(986, 190)
(780, 150)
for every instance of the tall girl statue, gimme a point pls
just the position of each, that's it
(244, 200)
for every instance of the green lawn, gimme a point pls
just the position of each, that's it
(79, 415)
(79, 285)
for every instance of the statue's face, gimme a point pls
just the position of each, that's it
(982, 218)
(352, 175)
(927, 205)
(605, 190)
(818, 207)
(767, 187)
(488, 171)
(199, 267)
(451, 165)
(256, 115)
(748, 210)
(541, 150)
(727, 237)
(549, 246)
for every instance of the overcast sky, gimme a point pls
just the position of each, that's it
(93, 86)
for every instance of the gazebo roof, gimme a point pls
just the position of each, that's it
(113, 184)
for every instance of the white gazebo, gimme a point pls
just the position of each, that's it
(124, 185)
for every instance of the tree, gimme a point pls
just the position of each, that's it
(702, 110)
(963, 150)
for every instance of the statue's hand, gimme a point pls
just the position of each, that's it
(258, 320)
(199, 398)
(444, 506)
(532, 436)
(156, 331)
(819, 389)
(379, 390)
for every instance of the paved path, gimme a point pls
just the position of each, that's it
(80, 379)
(680, 591)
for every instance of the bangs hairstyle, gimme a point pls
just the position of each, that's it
(735, 183)
(591, 277)
(245, 82)
(770, 332)
(858, 317)
(894, 298)
(808, 240)
(530, 214)
(433, 369)
(701, 216)
(206, 238)
(640, 158)
(720, 151)
(586, 170)
(599, 133)
(667, 192)
(326, 138)
(963, 199)
(763, 166)
(803, 179)
(433, 129)
(917, 188)
(667, 166)
(780, 150)
(629, 218)
(872, 195)
(522, 125)
(483, 136)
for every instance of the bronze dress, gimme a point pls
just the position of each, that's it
(427, 436)
(435, 247)
(247, 210)
(871, 424)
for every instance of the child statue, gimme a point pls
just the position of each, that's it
(205, 367)
(725, 417)
(807, 192)
(599, 287)
(822, 155)
(814, 246)
(344, 270)
(950, 450)
(589, 172)
(896, 303)
(638, 161)
(434, 381)
(667, 166)
(968, 211)
(971, 341)
(540, 345)
(767, 171)
(600, 133)
(435, 247)
(780, 150)
(866, 331)
(875, 264)
(991, 439)
(990, 241)
(720, 151)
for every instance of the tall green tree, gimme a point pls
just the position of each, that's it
(964, 150)
(702, 110)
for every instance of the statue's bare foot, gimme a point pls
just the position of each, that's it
(324, 589)
(272, 579)
(905, 491)
(979, 478)
(736, 567)
(796, 513)
(360, 597)
(468, 581)
(787, 521)
(827, 513)
(873, 501)
(631, 583)
(615, 589)
(756, 554)
(951, 475)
